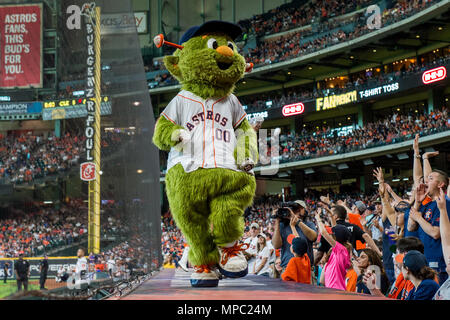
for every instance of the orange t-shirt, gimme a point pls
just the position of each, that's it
(350, 280)
(355, 218)
(401, 288)
(298, 269)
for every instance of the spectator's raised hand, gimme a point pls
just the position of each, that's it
(414, 214)
(440, 200)
(416, 145)
(421, 192)
(428, 155)
(370, 280)
(326, 199)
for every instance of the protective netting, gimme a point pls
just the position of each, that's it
(44, 196)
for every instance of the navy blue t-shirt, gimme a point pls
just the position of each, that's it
(388, 262)
(409, 233)
(433, 247)
(285, 231)
(425, 291)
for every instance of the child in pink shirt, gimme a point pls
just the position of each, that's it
(335, 270)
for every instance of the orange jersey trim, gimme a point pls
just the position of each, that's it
(204, 126)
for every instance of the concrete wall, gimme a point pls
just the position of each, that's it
(270, 186)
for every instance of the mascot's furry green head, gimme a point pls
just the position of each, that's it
(207, 62)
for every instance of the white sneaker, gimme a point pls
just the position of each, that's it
(184, 260)
(204, 276)
(233, 263)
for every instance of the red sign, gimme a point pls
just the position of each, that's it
(293, 109)
(21, 46)
(433, 75)
(87, 171)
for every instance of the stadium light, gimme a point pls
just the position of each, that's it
(309, 171)
(402, 156)
(395, 180)
(139, 171)
(368, 162)
(342, 166)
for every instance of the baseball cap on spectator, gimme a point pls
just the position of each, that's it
(341, 233)
(262, 235)
(299, 246)
(361, 206)
(254, 225)
(414, 260)
(301, 202)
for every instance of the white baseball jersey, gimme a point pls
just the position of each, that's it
(211, 124)
(81, 265)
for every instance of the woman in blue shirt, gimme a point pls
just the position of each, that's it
(415, 269)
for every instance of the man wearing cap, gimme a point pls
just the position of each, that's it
(283, 235)
(252, 241)
(22, 271)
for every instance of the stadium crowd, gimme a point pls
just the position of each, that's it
(319, 33)
(390, 242)
(297, 14)
(293, 45)
(357, 81)
(41, 228)
(326, 141)
(29, 157)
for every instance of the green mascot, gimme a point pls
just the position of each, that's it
(213, 149)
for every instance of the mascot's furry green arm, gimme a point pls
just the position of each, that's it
(213, 149)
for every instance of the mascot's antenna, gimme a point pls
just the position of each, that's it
(159, 42)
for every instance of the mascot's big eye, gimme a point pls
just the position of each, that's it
(212, 43)
(230, 45)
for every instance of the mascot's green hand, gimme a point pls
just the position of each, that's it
(164, 132)
(246, 152)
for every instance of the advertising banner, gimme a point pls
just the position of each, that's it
(124, 23)
(77, 111)
(21, 46)
(54, 264)
(20, 108)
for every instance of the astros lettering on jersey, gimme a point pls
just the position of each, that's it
(211, 124)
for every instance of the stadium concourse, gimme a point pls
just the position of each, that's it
(350, 102)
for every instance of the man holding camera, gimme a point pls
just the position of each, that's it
(292, 213)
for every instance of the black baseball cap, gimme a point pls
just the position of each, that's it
(230, 29)
(341, 233)
(415, 260)
(299, 246)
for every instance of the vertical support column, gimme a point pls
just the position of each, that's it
(94, 199)
(262, 6)
(58, 128)
(299, 183)
(360, 116)
(160, 23)
(219, 9)
(430, 101)
(203, 14)
(233, 9)
(178, 19)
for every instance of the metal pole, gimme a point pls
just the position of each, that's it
(94, 199)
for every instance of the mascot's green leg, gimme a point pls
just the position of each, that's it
(189, 207)
(227, 208)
